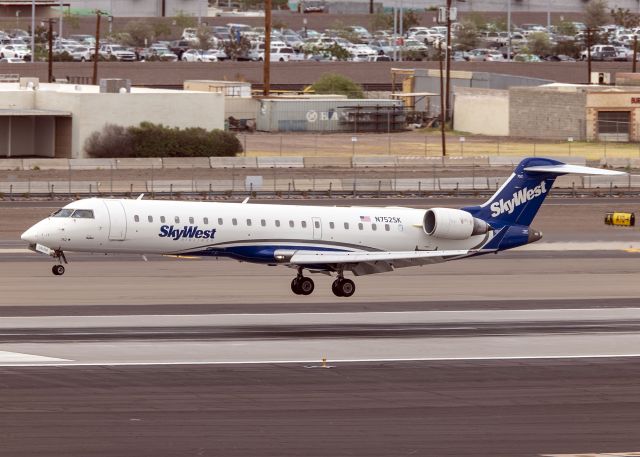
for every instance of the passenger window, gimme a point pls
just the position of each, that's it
(83, 213)
(234, 221)
(360, 226)
(219, 221)
(277, 223)
(291, 224)
(387, 227)
(248, 222)
(177, 219)
(346, 226)
(331, 225)
(263, 223)
(304, 224)
(150, 218)
(317, 224)
(374, 227)
(205, 221)
(136, 218)
(190, 220)
(163, 219)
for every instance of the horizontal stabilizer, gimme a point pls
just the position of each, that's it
(575, 169)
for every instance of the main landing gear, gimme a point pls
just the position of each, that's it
(341, 287)
(58, 269)
(302, 285)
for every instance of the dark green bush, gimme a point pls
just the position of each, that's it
(157, 140)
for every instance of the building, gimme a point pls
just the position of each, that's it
(116, 8)
(554, 111)
(55, 120)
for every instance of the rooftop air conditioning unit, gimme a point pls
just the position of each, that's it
(600, 78)
(115, 86)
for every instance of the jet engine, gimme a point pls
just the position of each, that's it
(452, 224)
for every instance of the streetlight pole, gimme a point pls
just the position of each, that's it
(448, 56)
(267, 49)
(50, 57)
(61, 16)
(508, 29)
(33, 30)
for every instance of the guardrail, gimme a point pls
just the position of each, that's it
(14, 164)
(309, 186)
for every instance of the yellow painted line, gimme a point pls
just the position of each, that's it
(16, 251)
(633, 250)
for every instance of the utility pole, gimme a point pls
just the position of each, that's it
(589, 56)
(635, 52)
(448, 56)
(370, 6)
(33, 30)
(442, 106)
(50, 57)
(94, 80)
(266, 77)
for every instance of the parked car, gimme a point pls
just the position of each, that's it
(82, 53)
(197, 55)
(179, 46)
(120, 53)
(600, 52)
(160, 53)
(18, 51)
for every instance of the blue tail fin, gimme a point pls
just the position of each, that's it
(519, 198)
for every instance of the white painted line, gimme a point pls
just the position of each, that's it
(11, 358)
(16, 251)
(277, 362)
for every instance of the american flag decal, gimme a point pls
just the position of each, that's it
(365, 219)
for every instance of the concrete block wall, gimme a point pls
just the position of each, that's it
(547, 113)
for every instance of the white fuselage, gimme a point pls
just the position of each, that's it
(251, 232)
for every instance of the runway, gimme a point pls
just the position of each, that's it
(518, 354)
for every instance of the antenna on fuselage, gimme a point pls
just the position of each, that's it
(245, 200)
(140, 197)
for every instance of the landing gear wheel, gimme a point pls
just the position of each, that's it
(342, 287)
(302, 286)
(294, 286)
(335, 288)
(305, 286)
(57, 270)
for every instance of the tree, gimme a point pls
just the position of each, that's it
(467, 37)
(235, 49)
(567, 28)
(203, 35)
(139, 34)
(596, 13)
(625, 18)
(332, 83)
(185, 21)
(539, 44)
(384, 21)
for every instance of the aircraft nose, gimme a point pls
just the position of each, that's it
(30, 235)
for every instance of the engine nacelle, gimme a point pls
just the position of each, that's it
(452, 224)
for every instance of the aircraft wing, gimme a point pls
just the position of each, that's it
(362, 263)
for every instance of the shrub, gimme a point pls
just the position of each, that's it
(157, 140)
(332, 83)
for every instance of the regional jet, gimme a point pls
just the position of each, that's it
(330, 240)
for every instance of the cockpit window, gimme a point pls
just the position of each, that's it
(83, 213)
(63, 212)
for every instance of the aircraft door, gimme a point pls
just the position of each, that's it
(317, 228)
(117, 220)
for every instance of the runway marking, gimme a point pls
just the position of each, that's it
(279, 362)
(16, 251)
(11, 358)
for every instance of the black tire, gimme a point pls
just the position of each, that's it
(305, 286)
(336, 289)
(347, 287)
(295, 287)
(57, 270)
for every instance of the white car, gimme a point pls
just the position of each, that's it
(107, 51)
(18, 51)
(197, 55)
(362, 49)
(82, 53)
(275, 55)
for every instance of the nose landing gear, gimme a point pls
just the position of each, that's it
(58, 269)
